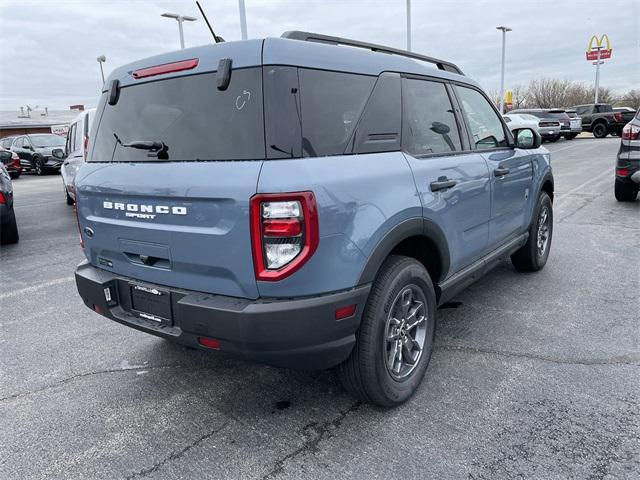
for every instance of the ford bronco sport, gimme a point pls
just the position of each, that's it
(302, 204)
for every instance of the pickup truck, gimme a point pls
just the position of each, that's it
(627, 113)
(600, 119)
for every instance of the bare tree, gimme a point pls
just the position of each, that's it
(548, 92)
(630, 99)
(520, 97)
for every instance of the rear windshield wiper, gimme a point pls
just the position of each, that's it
(159, 148)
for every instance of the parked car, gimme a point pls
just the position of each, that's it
(628, 163)
(8, 226)
(599, 119)
(555, 122)
(6, 142)
(76, 147)
(576, 124)
(627, 114)
(327, 200)
(11, 162)
(516, 121)
(40, 152)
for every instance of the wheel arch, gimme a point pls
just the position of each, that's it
(547, 185)
(418, 238)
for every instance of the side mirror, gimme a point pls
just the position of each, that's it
(527, 138)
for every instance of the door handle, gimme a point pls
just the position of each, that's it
(500, 171)
(442, 184)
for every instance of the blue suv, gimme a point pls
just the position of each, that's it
(303, 204)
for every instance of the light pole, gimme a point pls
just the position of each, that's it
(101, 59)
(180, 19)
(409, 25)
(504, 39)
(243, 19)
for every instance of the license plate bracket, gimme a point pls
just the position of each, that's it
(151, 303)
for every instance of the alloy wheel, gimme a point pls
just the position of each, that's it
(405, 332)
(543, 230)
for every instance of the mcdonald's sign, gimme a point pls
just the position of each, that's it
(602, 45)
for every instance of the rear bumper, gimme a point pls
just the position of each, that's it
(299, 333)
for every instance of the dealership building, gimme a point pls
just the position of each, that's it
(27, 120)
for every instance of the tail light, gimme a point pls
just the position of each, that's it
(75, 210)
(284, 233)
(85, 146)
(3, 200)
(630, 132)
(617, 116)
(166, 68)
(622, 172)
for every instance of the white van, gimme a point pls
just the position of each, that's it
(76, 151)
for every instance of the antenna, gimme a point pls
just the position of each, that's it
(216, 38)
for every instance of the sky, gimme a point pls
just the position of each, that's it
(48, 48)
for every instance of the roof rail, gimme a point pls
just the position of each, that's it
(319, 38)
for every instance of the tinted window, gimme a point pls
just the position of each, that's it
(77, 137)
(331, 104)
(189, 115)
(429, 121)
(379, 128)
(486, 128)
(282, 112)
(604, 108)
(582, 110)
(5, 156)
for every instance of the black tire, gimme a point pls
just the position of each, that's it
(38, 166)
(600, 130)
(529, 258)
(366, 374)
(570, 136)
(626, 191)
(9, 230)
(67, 196)
(554, 139)
(14, 175)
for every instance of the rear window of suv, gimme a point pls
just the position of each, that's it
(189, 115)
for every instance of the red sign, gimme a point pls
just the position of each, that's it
(604, 54)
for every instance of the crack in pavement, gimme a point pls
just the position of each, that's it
(176, 455)
(631, 360)
(89, 374)
(315, 433)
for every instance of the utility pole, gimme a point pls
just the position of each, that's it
(243, 19)
(180, 19)
(409, 25)
(504, 40)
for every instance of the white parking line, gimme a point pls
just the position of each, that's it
(595, 179)
(35, 288)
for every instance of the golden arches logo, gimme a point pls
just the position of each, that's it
(599, 42)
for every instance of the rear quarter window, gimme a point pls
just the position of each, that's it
(193, 119)
(331, 104)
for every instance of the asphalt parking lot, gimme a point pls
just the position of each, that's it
(533, 375)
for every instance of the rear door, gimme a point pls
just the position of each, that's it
(177, 215)
(452, 180)
(511, 169)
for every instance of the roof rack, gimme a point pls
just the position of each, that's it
(319, 38)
